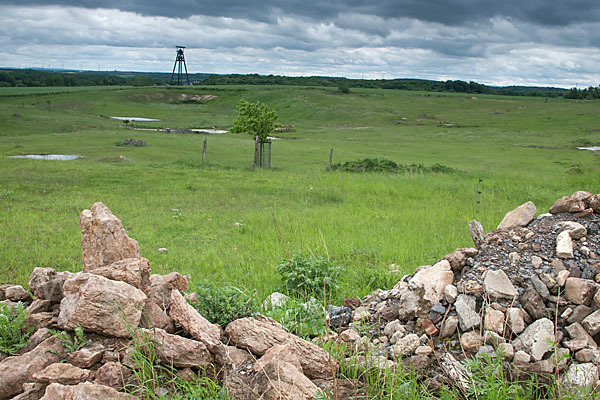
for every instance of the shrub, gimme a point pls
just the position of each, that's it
(221, 305)
(385, 165)
(13, 335)
(306, 276)
(71, 343)
(304, 319)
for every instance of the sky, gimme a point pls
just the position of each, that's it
(499, 42)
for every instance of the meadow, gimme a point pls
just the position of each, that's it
(225, 223)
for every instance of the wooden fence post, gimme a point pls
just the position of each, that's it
(330, 157)
(204, 150)
(269, 154)
(255, 153)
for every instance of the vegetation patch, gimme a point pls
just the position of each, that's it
(221, 305)
(132, 142)
(385, 165)
(13, 334)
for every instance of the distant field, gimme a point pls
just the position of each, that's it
(223, 222)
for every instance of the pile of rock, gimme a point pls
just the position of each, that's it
(529, 291)
(117, 301)
(133, 142)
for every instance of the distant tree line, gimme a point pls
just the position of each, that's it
(455, 86)
(583, 94)
(33, 77)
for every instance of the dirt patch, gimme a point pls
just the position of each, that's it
(172, 97)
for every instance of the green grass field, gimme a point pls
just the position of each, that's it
(223, 222)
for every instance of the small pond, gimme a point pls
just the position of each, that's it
(593, 148)
(53, 157)
(136, 119)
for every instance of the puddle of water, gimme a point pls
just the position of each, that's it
(593, 148)
(211, 131)
(136, 119)
(53, 157)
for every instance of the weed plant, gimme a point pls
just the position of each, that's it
(221, 305)
(13, 334)
(306, 275)
(70, 343)
(302, 318)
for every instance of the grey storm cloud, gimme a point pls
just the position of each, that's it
(537, 42)
(448, 12)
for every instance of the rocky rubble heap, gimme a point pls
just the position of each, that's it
(116, 300)
(528, 291)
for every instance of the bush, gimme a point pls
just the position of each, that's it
(221, 305)
(13, 336)
(302, 319)
(306, 276)
(385, 165)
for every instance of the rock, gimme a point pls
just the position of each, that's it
(275, 299)
(450, 293)
(449, 326)
(455, 371)
(577, 332)
(470, 287)
(595, 203)
(349, 336)
(591, 323)
(536, 261)
(392, 327)
(588, 354)
(162, 285)
(477, 233)
(101, 305)
(84, 391)
(494, 320)
(134, 271)
(564, 245)
(581, 375)
(31, 391)
(470, 341)
(468, 317)
(17, 293)
(194, 323)
(433, 280)
(65, 374)
(423, 350)
(339, 317)
(580, 291)
(406, 345)
(38, 337)
(409, 306)
(537, 339)
(154, 317)
(498, 286)
(38, 305)
(514, 257)
(521, 357)
(259, 334)
(175, 350)
(41, 320)
(557, 265)
(113, 374)
(562, 277)
(280, 353)
(87, 356)
(279, 380)
(568, 204)
(539, 286)
(507, 350)
(228, 358)
(579, 313)
(361, 314)
(515, 320)
(520, 216)
(575, 229)
(533, 303)
(457, 259)
(15, 371)
(103, 239)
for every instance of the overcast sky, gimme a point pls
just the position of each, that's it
(499, 42)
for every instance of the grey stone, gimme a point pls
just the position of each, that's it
(520, 216)
(581, 375)
(591, 323)
(539, 286)
(449, 326)
(537, 339)
(564, 245)
(468, 317)
(498, 286)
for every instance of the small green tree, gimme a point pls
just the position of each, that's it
(255, 119)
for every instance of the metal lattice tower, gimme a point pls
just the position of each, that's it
(180, 65)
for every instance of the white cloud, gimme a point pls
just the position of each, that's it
(498, 50)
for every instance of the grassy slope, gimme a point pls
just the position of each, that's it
(167, 198)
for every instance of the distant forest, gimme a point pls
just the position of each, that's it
(34, 77)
